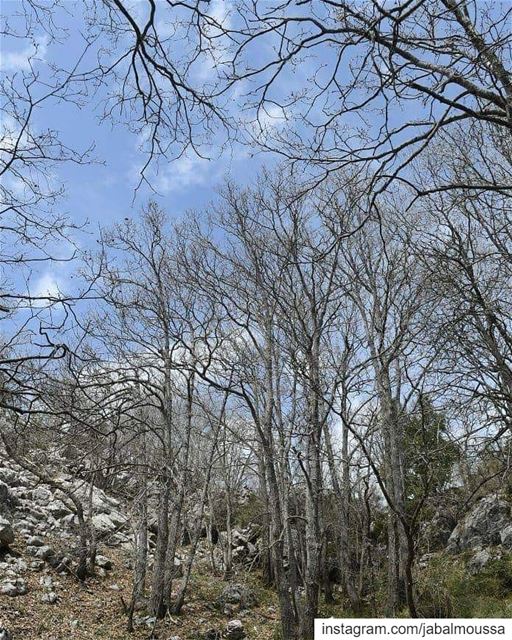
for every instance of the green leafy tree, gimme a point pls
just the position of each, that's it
(430, 454)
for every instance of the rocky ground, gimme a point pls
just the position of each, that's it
(41, 597)
(484, 533)
(96, 610)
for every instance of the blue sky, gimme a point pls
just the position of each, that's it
(105, 192)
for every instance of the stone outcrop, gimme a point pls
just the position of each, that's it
(6, 532)
(506, 537)
(479, 561)
(35, 517)
(488, 523)
(234, 630)
(245, 543)
(237, 595)
(34, 510)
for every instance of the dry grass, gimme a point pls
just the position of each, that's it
(95, 611)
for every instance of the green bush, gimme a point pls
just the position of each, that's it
(446, 589)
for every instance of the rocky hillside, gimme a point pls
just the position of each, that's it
(482, 535)
(41, 596)
(485, 531)
(41, 518)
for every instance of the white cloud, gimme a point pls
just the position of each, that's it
(187, 171)
(47, 286)
(221, 12)
(20, 60)
(10, 136)
(271, 116)
(263, 125)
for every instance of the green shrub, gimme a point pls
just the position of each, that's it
(278, 634)
(446, 589)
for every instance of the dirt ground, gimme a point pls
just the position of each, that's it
(95, 610)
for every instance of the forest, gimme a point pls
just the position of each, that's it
(256, 315)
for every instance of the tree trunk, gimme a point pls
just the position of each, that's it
(141, 554)
(157, 604)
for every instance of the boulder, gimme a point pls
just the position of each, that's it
(58, 509)
(70, 521)
(7, 588)
(5, 495)
(59, 562)
(506, 537)
(100, 502)
(6, 532)
(46, 582)
(36, 565)
(49, 598)
(10, 477)
(117, 518)
(103, 523)
(238, 595)
(479, 561)
(18, 564)
(43, 553)
(239, 538)
(240, 553)
(24, 526)
(482, 526)
(252, 549)
(38, 514)
(235, 630)
(35, 541)
(103, 562)
(13, 587)
(42, 496)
